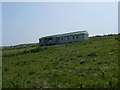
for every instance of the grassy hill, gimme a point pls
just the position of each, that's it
(86, 64)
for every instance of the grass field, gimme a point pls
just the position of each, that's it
(86, 64)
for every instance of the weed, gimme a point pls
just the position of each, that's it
(110, 84)
(81, 86)
(14, 84)
(103, 74)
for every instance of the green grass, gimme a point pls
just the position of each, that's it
(86, 64)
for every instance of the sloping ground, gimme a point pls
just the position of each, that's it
(87, 64)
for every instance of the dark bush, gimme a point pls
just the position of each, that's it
(28, 81)
(79, 56)
(37, 49)
(43, 48)
(98, 36)
(81, 62)
(99, 62)
(110, 34)
(6, 69)
(61, 59)
(33, 61)
(83, 43)
(106, 62)
(17, 63)
(116, 38)
(18, 75)
(92, 54)
(25, 51)
(25, 62)
(94, 59)
(34, 50)
(112, 50)
(31, 73)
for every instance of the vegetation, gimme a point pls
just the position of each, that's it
(86, 64)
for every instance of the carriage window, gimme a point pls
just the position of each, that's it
(58, 38)
(73, 37)
(50, 39)
(66, 38)
(61, 38)
(81, 36)
(46, 39)
(76, 36)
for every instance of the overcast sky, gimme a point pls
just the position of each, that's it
(26, 22)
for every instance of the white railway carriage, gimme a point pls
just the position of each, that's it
(64, 38)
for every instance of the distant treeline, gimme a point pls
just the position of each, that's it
(19, 46)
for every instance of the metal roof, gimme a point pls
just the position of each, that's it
(67, 34)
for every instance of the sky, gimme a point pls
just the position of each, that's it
(26, 22)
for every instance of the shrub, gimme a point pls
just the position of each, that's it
(25, 52)
(79, 55)
(14, 84)
(82, 62)
(34, 50)
(92, 54)
(6, 69)
(37, 49)
(31, 73)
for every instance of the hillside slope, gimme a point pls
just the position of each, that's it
(87, 64)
